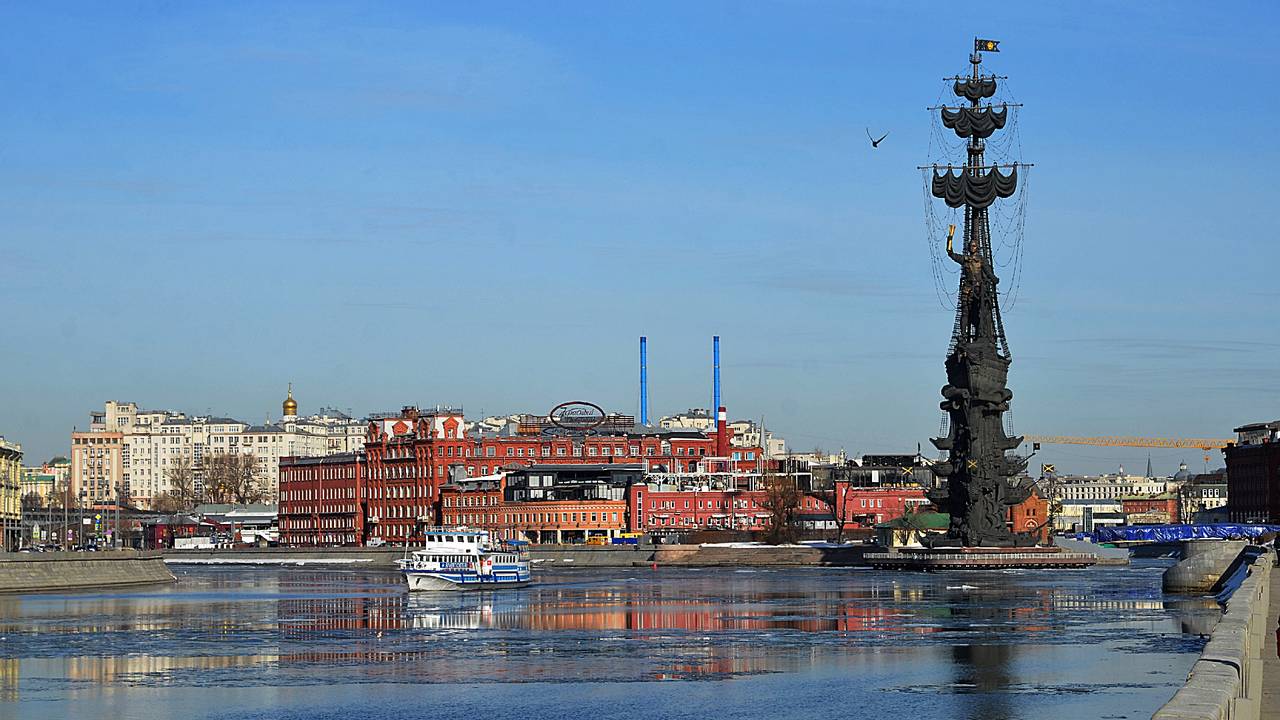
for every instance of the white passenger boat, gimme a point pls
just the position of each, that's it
(465, 559)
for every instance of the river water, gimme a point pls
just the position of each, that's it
(346, 642)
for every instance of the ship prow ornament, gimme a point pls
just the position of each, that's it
(980, 478)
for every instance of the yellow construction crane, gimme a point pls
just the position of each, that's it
(1205, 444)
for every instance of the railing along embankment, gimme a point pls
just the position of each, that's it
(1226, 682)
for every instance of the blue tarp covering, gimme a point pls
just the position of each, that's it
(1171, 533)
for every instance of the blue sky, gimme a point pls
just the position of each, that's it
(486, 205)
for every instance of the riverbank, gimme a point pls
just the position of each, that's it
(60, 571)
(1228, 680)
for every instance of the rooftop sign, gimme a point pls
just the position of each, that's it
(576, 417)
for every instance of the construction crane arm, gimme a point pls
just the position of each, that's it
(1126, 441)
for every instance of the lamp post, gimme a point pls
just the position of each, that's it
(84, 494)
(65, 540)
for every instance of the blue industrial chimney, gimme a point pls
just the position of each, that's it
(644, 382)
(715, 376)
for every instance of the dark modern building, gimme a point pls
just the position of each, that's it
(573, 482)
(1253, 473)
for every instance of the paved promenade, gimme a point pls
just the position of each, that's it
(1270, 660)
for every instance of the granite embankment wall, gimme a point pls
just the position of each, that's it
(543, 555)
(1226, 682)
(56, 572)
(712, 555)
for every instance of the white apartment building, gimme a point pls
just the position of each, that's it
(747, 434)
(1112, 487)
(135, 449)
(692, 419)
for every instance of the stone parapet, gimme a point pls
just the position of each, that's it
(1226, 682)
(58, 572)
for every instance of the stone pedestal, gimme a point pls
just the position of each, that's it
(979, 558)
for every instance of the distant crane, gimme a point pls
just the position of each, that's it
(1205, 444)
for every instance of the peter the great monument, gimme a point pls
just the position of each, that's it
(980, 480)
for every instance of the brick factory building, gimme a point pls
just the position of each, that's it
(395, 486)
(1253, 474)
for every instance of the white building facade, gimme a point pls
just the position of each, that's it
(154, 442)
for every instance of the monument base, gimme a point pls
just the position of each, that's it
(978, 558)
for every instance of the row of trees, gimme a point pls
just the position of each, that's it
(229, 478)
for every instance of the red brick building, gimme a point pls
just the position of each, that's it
(1150, 510)
(322, 500)
(1031, 514)
(1253, 474)
(655, 510)
(394, 487)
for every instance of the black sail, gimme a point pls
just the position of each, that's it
(975, 90)
(977, 189)
(976, 122)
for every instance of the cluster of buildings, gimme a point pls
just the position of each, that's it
(530, 480)
(336, 480)
(1082, 503)
(126, 455)
(432, 467)
(427, 467)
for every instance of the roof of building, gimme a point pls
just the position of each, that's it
(1273, 425)
(920, 521)
(229, 509)
(334, 459)
(583, 467)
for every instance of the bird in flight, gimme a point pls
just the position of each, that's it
(874, 142)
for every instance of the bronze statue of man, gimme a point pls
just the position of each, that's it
(971, 261)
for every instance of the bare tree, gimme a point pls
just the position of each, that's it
(782, 500)
(182, 494)
(232, 478)
(837, 500)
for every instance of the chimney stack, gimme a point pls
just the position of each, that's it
(644, 382)
(715, 373)
(722, 433)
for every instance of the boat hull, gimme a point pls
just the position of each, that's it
(455, 582)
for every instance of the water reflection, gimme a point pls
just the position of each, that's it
(273, 627)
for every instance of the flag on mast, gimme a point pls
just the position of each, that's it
(986, 45)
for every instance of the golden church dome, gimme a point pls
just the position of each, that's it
(290, 405)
